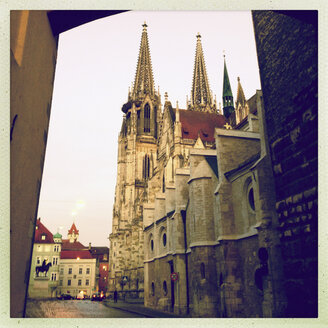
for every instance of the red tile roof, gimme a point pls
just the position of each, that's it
(66, 245)
(204, 124)
(41, 230)
(73, 229)
(85, 254)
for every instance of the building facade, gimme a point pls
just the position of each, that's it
(46, 253)
(197, 188)
(77, 270)
(102, 265)
(136, 163)
(288, 60)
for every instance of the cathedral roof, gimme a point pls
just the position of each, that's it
(201, 98)
(244, 165)
(82, 254)
(194, 124)
(144, 81)
(73, 229)
(42, 234)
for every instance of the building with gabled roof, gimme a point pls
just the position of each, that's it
(46, 252)
(77, 271)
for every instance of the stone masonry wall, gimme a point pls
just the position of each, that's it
(287, 51)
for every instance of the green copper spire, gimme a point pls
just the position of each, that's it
(227, 93)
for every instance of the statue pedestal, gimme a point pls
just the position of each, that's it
(40, 288)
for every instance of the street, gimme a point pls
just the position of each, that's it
(74, 309)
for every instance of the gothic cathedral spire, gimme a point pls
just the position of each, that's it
(227, 93)
(144, 81)
(240, 95)
(201, 97)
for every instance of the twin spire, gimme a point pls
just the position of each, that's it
(144, 81)
(201, 95)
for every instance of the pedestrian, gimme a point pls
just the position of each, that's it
(115, 296)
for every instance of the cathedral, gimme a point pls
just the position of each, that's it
(194, 220)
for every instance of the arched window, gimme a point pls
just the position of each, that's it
(251, 201)
(164, 288)
(152, 289)
(164, 239)
(146, 167)
(163, 185)
(147, 118)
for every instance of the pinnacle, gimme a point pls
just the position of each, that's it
(200, 91)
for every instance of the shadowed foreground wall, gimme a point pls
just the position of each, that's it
(33, 54)
(287, 49)
(32, 59)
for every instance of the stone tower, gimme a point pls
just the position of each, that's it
(137, 148)
(73, 234)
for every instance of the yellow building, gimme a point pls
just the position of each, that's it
(44, 275)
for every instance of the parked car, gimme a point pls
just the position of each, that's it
(65, 297)
(97, 297)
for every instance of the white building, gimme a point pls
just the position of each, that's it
(77, 270)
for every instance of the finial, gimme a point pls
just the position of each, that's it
(198, 36)
(224, 54)
(166, 96)
(144, 26)
(238, 78)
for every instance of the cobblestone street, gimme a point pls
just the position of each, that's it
(74, 309)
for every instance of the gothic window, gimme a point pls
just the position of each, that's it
(164, 288)
(250, 203)
(163, 185)
(251, 199)
(147, 118)
(164, 239)
(145, 167)
(152, 289)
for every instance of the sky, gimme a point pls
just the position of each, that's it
(96, 65)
